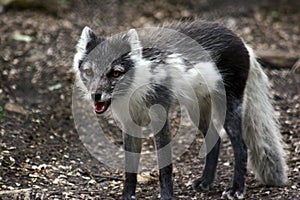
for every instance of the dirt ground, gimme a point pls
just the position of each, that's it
(41, 155)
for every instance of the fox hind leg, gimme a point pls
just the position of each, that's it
(212, 142)
(233, 127)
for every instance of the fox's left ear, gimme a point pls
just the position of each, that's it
(86, 41)
(135, 44)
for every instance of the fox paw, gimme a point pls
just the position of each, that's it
(232, 194)
(201, 184)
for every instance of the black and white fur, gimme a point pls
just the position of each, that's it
(249, 120)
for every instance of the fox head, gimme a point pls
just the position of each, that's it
(104, 67)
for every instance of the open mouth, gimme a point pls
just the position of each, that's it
(101, 106)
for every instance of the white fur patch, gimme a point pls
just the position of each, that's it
(202, 77)
(141, 82)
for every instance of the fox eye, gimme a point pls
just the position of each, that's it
(88, 72)
(116, 73)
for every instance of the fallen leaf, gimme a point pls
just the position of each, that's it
(145, 177)
(55, 87)
(21, 37)
(15, 108)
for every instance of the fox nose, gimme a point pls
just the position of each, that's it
(96, 96)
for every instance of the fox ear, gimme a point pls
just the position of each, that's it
(86, 41)
(135, 44)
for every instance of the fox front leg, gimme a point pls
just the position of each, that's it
(132, 147)
(164, 153)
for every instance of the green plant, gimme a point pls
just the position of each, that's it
(1, 114)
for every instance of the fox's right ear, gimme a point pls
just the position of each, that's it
(88, 41)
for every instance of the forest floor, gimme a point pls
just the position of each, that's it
(41, 154)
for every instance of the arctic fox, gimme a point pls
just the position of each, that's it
(138, 69)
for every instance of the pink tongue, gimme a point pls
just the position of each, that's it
(100, 107)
